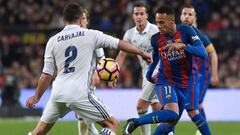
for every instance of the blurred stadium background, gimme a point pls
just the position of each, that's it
(26, 25)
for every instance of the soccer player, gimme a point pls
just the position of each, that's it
(70, 52)
(140, 36)
(175, 46)
(188, 17)
(84, 125)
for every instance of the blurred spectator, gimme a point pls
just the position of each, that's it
(26, 25)
(10, 90)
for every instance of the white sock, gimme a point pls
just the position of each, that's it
(82, 127)
(92, 129)
(171, 133)
(29, 133)
(145, 129)
(107, 131)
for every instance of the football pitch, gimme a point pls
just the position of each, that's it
(21, 127)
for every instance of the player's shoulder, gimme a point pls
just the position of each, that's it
(153, 27)
(156, 35)
(130, 31)
(183, 27)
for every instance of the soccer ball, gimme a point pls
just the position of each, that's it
(108, 69)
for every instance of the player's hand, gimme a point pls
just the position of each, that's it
(113, 84)
(147, 57)
(31, 102)
(175, 46)
(214, 80)
(95, 80)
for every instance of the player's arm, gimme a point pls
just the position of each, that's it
(214, 64)
(195, 46)
(122, 55)
(153, 65)
(103, 40)
(43, 84)
(46, 77)
(127, 47)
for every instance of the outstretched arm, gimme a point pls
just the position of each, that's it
(127, 47)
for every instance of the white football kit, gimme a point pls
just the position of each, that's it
(70, 52)
(97, 55)
(143, 42)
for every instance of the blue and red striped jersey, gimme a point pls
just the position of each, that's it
(178, 67)
(203, 64)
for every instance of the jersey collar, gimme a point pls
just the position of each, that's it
(144, 31)
(71, 26)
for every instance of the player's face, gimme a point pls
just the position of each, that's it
(140, 16)
(165, 23)
(84, 22)
(188, 16)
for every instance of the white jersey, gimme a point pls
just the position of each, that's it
(71, 51)
(97, 55)
(142, 41)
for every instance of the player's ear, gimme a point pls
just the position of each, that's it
(80, 20)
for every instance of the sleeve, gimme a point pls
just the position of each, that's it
(195, 45)
(155, 57)
(209, 47)
(205, 40)
(103, 40)
(49, 65)
(100, 53)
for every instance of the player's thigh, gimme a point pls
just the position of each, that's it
(92, 109)
(53, 111)
(166, 94)
(148, 94)
(192, 97)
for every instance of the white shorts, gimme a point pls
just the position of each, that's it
(148, 92)
(90, 108)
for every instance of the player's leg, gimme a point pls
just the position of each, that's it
(92, 129)
(42, 128)
(168, 128)
(192, 107)
(51, 113)
(82, 125)
(204, 82)
(168, 98)
(94, 110)
(148, 96)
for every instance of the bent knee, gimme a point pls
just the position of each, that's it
(192, 113)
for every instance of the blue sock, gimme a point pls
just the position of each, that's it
(157, 117)
(202, 112)
(163, 128)
(201, 124)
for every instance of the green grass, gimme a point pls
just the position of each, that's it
(21, 127)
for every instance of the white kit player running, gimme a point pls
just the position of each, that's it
(140, 36)
(70, 53)
(85, 125)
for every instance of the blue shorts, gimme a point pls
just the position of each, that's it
(192, 98)
(168, 94)
(204, 82)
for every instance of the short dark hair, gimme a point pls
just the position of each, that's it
(187, 6)
(166, 10)
(72, 11)
(140, 4)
